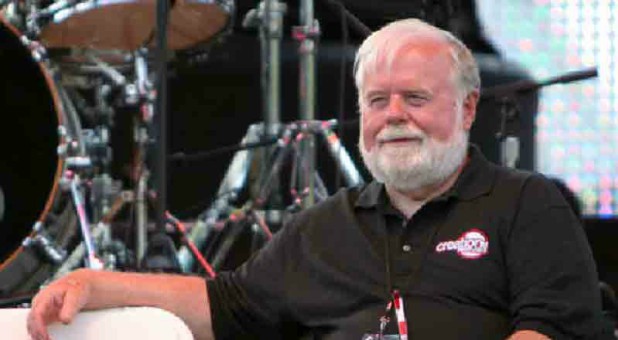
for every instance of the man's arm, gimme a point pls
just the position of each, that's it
(553, 285)
(184, 296)
(528, 335)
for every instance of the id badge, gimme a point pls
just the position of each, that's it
(397, 304)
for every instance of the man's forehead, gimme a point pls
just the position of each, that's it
(414, 62)
(389, 52)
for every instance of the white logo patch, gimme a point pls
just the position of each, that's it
(472, 244)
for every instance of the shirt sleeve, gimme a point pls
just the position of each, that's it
(249, 302)
(553, 279)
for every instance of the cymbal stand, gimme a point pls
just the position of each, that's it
(307, 35)
(211, 222)
(268, 18)
(232, 184)
(296, 138)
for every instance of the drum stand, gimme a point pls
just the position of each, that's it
(91, 150)
(295, 140)
(210, 223)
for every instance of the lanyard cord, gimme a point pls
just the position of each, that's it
(387, 260)
(395, 296)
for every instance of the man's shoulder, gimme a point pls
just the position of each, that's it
(506, 177)
(530, 189)
(523, 178)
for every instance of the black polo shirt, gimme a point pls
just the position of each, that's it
(500, 251)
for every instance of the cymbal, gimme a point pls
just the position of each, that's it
(130, 24)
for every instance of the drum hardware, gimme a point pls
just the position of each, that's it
(12, 12)
(103, 190)
(89, 156)
(307, 34)
(136, 92)
(114, 254)
(86, 153)
(268, 17)
(70, 133)
(97, 142)
(117, 78)
(209, 224)
(141, 206)
(232, 184)
(100, 235)
(32, 27)
(41, 240)
(180, 227)
(236, 224)
(142, 94)
(295, 139)
(74, 183)
(38, 51)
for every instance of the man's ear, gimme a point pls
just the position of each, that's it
(469, 109)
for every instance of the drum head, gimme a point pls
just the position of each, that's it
(27, 143)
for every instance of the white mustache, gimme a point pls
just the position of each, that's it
(393, 133)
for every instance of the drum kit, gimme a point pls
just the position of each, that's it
(68, 68)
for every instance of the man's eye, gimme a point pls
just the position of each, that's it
(416, 100)
(377, 101)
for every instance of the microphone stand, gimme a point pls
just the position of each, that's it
(506, 94)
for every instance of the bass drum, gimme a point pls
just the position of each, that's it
(29, 168)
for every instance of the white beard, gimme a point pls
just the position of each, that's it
(416, 164)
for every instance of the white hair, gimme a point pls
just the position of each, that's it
(392, 38)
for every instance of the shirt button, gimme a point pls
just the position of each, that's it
(406, 248)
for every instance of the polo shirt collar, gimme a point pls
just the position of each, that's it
(476, 179)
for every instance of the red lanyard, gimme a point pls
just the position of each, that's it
(402, 324)
(400, 314)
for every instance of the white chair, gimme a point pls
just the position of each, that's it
(108, 324)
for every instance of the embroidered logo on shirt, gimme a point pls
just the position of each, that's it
(472, 244)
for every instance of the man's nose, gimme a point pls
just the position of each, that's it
(396, 112)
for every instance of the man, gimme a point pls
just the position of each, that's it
(444, 245)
